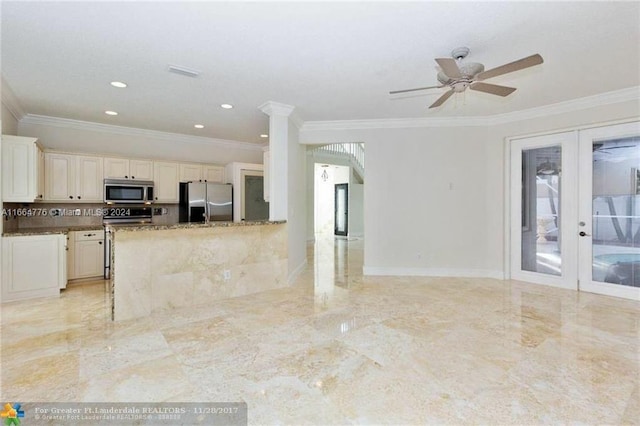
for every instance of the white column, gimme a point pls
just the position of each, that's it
(278, 158)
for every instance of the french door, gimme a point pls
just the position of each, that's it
(575, 210)
(341, 209)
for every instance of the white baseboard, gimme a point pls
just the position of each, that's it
(296, 272)
(433, 272)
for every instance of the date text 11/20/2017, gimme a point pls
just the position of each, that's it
(40, 212)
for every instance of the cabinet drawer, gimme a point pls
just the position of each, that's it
(97, 234)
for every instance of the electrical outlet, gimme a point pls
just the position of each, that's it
(227, 274)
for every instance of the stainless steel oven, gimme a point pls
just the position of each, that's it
(121, 215)
(120, 191)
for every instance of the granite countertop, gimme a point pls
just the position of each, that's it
(150, 227)
(49, 231)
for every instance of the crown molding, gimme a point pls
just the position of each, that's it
(276, 108)
(618, 96)
(296, 120)
(601, 99)
(132, 131)
(394, 123)
(10, 100)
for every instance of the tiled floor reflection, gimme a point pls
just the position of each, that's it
(337, 348)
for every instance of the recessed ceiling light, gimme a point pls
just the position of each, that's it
(226, 106)
(111, 113)
(198, 126)
(264, 136)
(118, 84)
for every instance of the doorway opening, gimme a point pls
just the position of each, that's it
(254, 207)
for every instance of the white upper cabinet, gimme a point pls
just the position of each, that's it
(190, 172)
(40, 191)
(116, 168)
(75, 178)
(123, 168)
(89, 181)
(22, 169)
(213, 174)
(60, 179)
(141, 169)
(201, 173)
(165, 178)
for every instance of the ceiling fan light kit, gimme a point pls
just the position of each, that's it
(459, 76)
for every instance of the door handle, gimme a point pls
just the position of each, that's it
(584, 234)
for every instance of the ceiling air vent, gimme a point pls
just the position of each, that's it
(188, 72)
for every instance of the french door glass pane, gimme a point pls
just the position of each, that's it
(541, 178)
(341, 206)
(616, 211)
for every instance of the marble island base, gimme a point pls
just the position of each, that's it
(182, 267)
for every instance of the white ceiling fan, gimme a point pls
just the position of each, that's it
(458, 76)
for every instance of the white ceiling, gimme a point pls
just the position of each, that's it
(332, 61)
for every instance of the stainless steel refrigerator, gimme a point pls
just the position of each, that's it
(205, 202)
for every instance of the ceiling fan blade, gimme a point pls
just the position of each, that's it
(449, 67)
(414, 90)
(442, 98)
(492, 89)
(518, 65)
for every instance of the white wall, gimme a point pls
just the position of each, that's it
(138, 145)
(435, 197)
(356, 209)
(9, 122)
(297, 202)
(425, 201)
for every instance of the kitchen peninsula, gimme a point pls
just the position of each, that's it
(161, 267)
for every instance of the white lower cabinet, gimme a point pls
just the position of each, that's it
(86, 256)
(33, 266)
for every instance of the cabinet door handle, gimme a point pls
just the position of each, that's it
(126, 177)
(99, 242)
(79, 197)
(71, 197)
(133, 177)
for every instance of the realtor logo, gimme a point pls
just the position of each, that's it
(11, 414)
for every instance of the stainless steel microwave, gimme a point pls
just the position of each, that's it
(119, 191)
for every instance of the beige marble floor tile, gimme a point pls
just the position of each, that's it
(159, 379)
(631, 415)
(48, 378)
(114, 354)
